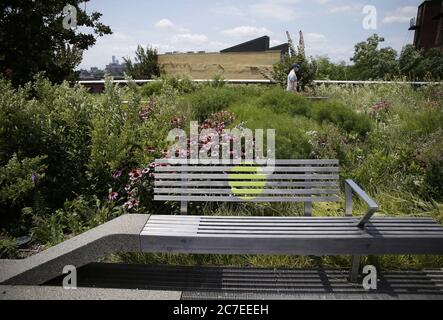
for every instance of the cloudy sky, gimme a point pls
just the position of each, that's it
(331, 27)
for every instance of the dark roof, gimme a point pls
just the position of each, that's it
(256, 45)
(429, 2)
(284, 48)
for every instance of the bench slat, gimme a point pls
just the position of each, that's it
(239, 191)
(236, 199)
(277, 162)
(236, 236)
(229, 168)
(245, 176)
(211, 183)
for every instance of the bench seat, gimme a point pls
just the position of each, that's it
(291, 235)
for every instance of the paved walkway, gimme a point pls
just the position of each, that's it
(213, 283)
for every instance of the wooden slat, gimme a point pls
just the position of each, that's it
(245, 176)
(211, 183)
(377, 219)
(291, 228)
(191, 191)
(236, 199)
(277, 162)
(229, 168)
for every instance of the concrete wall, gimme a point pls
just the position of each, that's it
(238, 65)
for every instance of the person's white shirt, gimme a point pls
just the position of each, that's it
(292, 81)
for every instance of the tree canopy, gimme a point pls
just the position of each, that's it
(33, 39)
(145, 65)
(372, 62)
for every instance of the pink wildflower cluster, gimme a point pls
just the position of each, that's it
(135, 180)
(177, 122)
(381, 107)
(146, 111)
(218, 121)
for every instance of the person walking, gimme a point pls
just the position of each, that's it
(292, 78)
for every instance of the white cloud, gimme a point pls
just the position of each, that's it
(190, 38)
(246, 31)
(401, 15)
(341, 9)
(228, 10)
(275, 42)
(165, 24)
(314, 37)
(162, 48)
(120, 36)
(349, 8)
(323, 1)
(283, 10)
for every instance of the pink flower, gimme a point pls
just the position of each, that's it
(150, 149)
(176, 122)
(131, 204)
(117, 174)
(135, 174)
(113, 196)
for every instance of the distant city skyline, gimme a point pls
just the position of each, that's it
(331, 27)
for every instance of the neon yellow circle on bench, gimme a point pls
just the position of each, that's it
(247, 182)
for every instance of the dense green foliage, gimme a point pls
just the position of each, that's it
(33, 40)
(71, 161)
(145, 65)
(372, 62)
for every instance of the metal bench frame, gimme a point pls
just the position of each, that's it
(194, 234)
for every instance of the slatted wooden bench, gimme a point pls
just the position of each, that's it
(305, 181)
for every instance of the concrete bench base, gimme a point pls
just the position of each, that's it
(119, 235)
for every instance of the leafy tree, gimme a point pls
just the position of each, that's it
(327, 70)
(421, 65)
(33, 39)
(409, 62)
(146, 64)
(432, 63)
(372, 62)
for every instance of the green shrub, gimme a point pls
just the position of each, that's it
(210, 100)
(344, 117)
(281, 101)
(151, 88)
(18, 178)
(292, 141)
(49, 229)
(181, 83)
(7, 248)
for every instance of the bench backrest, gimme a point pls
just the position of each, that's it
(304, 181)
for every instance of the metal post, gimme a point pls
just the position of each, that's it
(348, 200)
(355, 269)
(308, 209)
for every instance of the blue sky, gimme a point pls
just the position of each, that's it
(331, 27)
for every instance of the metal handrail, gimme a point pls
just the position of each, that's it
(350, 187)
